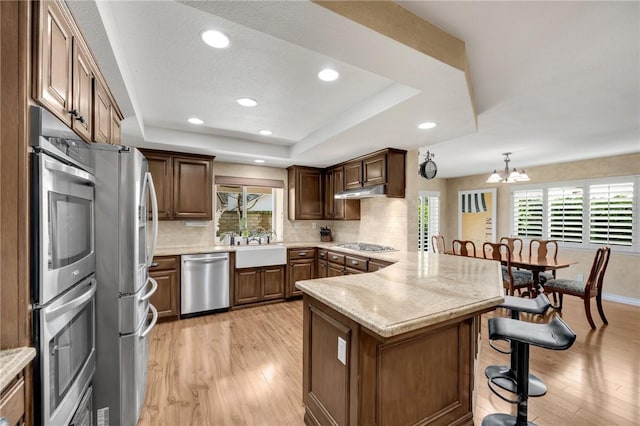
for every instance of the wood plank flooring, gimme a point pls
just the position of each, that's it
(245, 368)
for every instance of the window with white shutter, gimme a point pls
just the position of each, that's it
(428, 218)
(565, 214)
(528, 213)
(611, 214)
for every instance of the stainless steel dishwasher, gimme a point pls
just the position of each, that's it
(204, 283)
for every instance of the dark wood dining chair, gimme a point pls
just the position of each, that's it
(438, 244)
(515, 245)
(464, 248)
(511, 282)
(592, 287)
(543, 249)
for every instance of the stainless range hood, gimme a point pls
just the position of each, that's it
(370, 192)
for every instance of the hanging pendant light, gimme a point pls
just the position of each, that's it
(508, 176)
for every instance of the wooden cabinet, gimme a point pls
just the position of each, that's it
(166, 272)
(12, 403)
(335, 264)
(252, 285)
(184, 185)
(386, 167)
(64, 74)
(322, 269)
(305, 193)
(376, 264)
(355, 264)
(106, 118)
(301, 266)
(67, 80)
(338, 209)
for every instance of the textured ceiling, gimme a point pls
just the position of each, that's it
(553, 81)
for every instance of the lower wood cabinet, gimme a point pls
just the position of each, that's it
(253, 285)
(301, 266)
(166, 272)
(376, 264)
(13, 404)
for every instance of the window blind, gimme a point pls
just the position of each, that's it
(611, 214)
(528, 213)
(565, 214)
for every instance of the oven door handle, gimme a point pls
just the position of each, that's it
(154, 287)
(154, 217)
(69, 306)
(75, 173)
(153, 322)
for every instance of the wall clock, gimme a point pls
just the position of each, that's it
(428, 169)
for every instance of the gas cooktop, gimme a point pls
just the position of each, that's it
(365, 247)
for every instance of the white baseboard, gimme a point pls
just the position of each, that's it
(621, 299)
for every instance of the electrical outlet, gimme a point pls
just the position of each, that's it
(342, 350)
(296, 225)
(580, 277)
(313, 225)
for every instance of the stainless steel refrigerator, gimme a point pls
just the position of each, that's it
(125, 241)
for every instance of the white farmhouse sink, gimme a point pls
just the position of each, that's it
(253, 256)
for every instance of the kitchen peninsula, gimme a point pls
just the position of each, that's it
(397, 346)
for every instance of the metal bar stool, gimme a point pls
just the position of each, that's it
(555, 335)
(504, 375)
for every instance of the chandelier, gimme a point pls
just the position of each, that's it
(508, 176)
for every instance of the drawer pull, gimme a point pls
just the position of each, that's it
(302, 253)
(355, 262)
(335, 257)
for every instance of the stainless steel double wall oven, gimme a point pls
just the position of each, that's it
(63, 266)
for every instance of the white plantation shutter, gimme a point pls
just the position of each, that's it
(611, 214)
(434, 216)
(527, 213)
(565, 214)
(428, 220)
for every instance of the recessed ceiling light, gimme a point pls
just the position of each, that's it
(265, 132)
(427, 125)
(328, 74)
(258, 161)
(215, 39)
(195, 120)
(248, 102)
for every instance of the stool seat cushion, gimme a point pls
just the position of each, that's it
(555, 334)
(545, 276)
(538, 306)
(564, 285)
(520, 278)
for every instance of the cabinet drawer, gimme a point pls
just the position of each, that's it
(376, 265)
(355, 262)
(335, 258)
(12, 402)
(302, 253)
(164, 263)
(323, 254)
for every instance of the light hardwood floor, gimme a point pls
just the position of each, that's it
(245, 368)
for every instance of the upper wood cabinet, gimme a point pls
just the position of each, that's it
(67, 80)
(338, 209)
(115, 127)
(305, 193)
(386, 167)
(183, 183)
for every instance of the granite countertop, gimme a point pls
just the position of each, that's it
(12, 362)
(421, 289)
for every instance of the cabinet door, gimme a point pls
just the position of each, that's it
(375, 170)
(329, 201)
(247, 285)
(334, 270)
(272, 282)
(192, 187)
(82, 92)
(161, 171)
(353, 175)
(102, 114)
(309, 194)
(115, 128)
(322, 269)
(165, 299)
(299, 270)
(53, 81)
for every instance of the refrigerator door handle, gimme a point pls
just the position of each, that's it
(154, 287)
(153, 322)
(154, 218)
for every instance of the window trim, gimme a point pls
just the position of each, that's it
(586, 211)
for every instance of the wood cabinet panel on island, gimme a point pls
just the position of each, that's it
(184, 184)
(166, 272)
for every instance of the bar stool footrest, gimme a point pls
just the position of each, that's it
(500, 373)
(500, 419)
